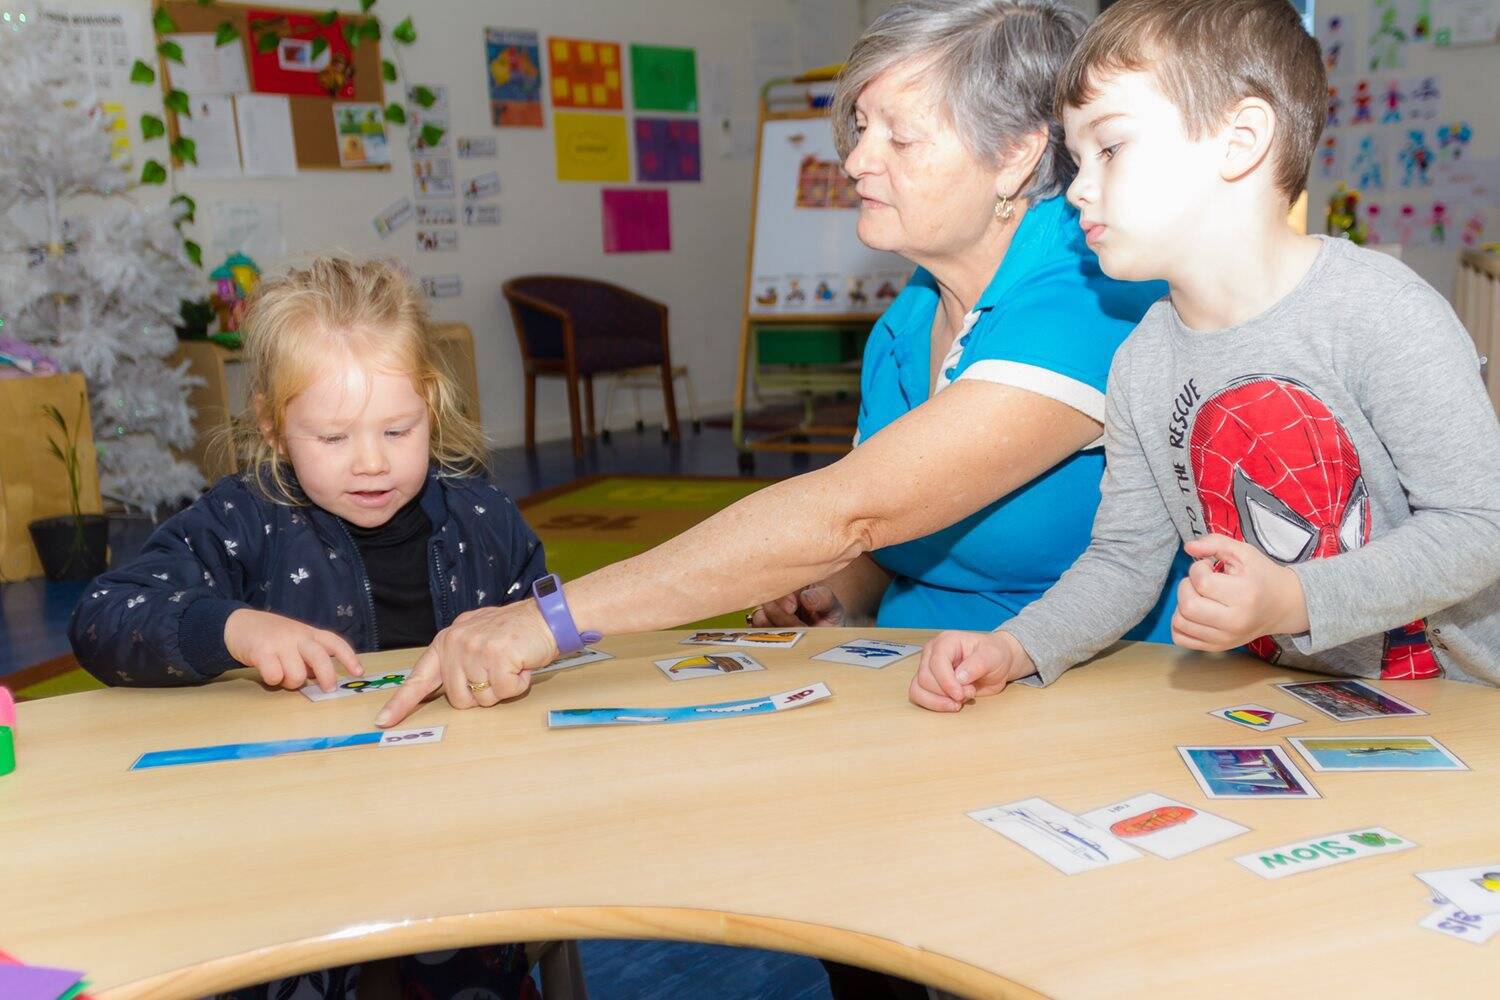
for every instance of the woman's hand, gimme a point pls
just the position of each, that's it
(483, 658)
(286, 652)
(816, 605)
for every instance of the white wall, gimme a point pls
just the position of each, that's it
(548, 226)
(1469, 75)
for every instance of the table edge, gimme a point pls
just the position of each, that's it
(386, 940)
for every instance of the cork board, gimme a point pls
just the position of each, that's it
(313, 134)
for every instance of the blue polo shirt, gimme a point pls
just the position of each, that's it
(1049, 322)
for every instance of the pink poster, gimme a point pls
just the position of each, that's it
(636, 221)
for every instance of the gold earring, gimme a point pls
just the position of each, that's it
(1005, 208)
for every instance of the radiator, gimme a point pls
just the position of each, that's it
(1478, 306)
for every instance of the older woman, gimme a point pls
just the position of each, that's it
(976, 475)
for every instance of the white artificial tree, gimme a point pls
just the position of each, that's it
(100, 291)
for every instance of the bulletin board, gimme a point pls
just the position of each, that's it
(313, 132)
(805, 256)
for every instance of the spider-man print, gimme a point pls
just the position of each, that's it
(1275, 468)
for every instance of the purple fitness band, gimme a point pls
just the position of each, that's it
(548, 592)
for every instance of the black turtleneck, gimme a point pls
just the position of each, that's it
(395, 558)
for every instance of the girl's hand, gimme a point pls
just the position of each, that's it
(286, 652)
(816, 605)
(483, 658)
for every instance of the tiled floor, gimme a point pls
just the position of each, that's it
(33, 623)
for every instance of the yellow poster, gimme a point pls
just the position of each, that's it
(591, 147)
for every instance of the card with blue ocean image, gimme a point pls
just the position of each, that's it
(874, 653)
(1249, 772)
(571, 718)
(1376, 753)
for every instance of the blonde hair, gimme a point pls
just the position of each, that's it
(367, 310)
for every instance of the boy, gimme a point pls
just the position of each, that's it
(1306, 415)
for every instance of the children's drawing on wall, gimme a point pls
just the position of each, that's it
(1364, 98)
(1423, 96)
(1335, 35)
(1368, 164)
(1452, 139)
(1335, 117)
(1375, 223)
(1416, 160)
(1388, 36)
(1395, 97)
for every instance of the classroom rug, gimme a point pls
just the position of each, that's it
(585, 524)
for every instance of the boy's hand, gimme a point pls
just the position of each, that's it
(483, 658)
(286, 652)
(958, 667)
(1234, 593)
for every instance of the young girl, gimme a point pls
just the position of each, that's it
(363, 521)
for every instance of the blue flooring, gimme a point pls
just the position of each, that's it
(667, 970)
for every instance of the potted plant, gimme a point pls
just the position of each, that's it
(71, 546)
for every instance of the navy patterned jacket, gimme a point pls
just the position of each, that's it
(159, 620)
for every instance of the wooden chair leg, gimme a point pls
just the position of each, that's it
(669, 400)
(588, 403)
(574, 422)
(531, 411)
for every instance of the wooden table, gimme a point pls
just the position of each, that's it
(837, 830)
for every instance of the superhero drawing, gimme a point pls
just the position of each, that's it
(1275, 468)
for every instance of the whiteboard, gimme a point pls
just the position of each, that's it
(806, 258)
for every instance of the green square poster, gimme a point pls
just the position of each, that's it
(663, 79)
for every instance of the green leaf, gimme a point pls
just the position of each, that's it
(152, 126)
(170, 51)
(268, 42)
(226, 33)
(194, 252)
(388, 71)
(186, 150)
(351, 32)
(189, 207)
(369, 30)
(395, 113)
(162, 22)
(404, 32)
(141, 73)
(56, 451)
(327, 18)
(177, 100)
(423, 96)
(431, 135)
(55, 415)
(153, 173)
(319, 46)
(365, 5)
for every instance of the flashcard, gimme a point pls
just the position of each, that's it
(1476, 928)
(351, 686)
(575, 660)
(1246, 773)
(1066, 842)
(682, 668)
(1322, 852)
(1376, 753)
(1349, 700)
(1165, 827)
(1473, 890)
(874, 653)
(745, 637)
(276, 748)
(1256, 717)
(569, 718)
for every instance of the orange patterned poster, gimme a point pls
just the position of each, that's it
(585, 74)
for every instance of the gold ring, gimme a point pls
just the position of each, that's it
(478, 687)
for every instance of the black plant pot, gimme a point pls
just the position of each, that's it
(56, 541)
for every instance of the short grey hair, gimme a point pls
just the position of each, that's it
(993, 66)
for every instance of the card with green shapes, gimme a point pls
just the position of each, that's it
(663, 78)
